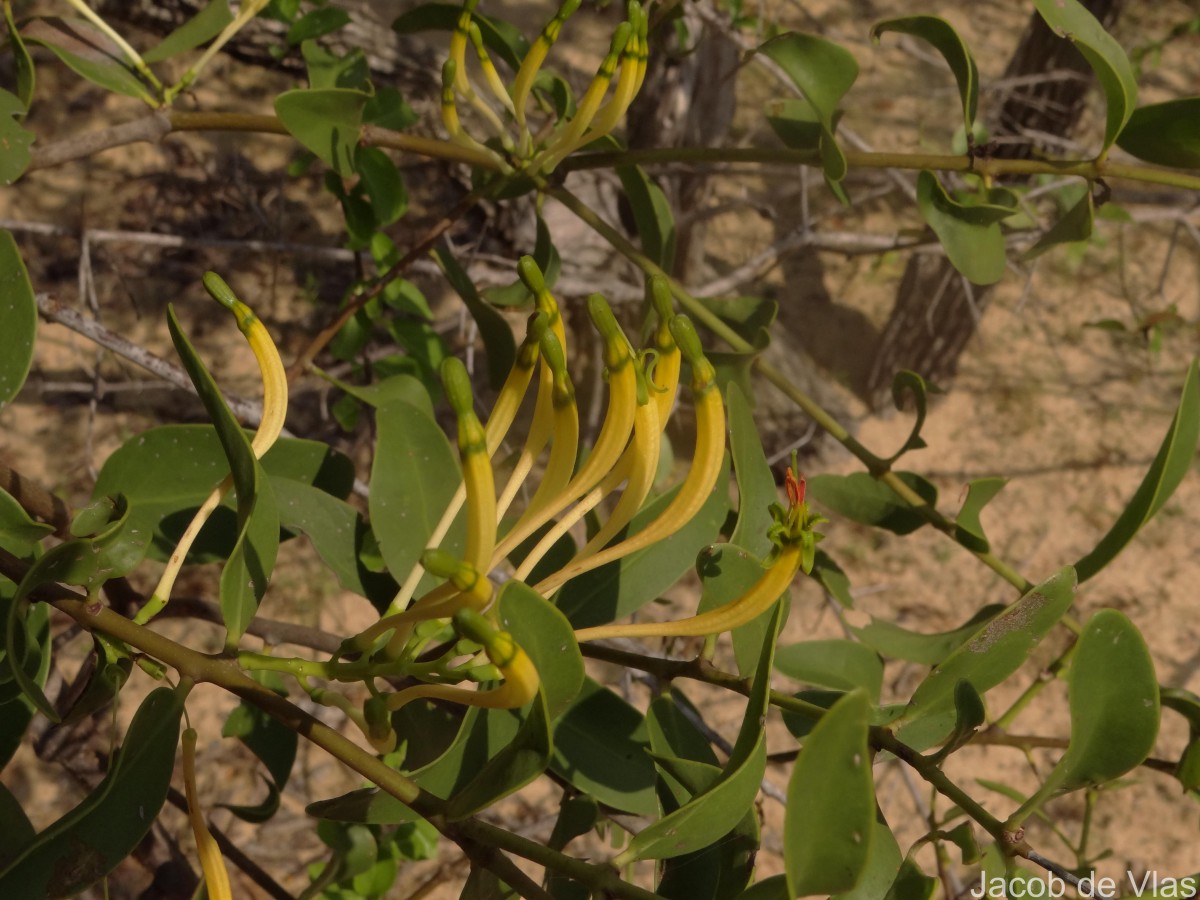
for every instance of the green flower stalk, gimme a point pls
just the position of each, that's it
(520, 676)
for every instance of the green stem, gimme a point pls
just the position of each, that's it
(1005, 720)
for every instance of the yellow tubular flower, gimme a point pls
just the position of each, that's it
(532, 63)
(667, 361)
(773, 582)
(490, 75)
(612, 111)
(458, 47)
(476, 465)
(216, 877)
(543, 410)
(614, 433)
(520, 677)
(275, 401)
(643, 56)
(508, 401)
(466, 587)
(701, 477)
(636, 467)
(586, 109)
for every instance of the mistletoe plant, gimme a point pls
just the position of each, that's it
(493, 571)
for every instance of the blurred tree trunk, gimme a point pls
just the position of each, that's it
(936, 311)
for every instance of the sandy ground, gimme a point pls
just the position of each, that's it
(1072, 414)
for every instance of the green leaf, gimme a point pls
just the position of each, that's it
(413, 478)
(325, 121)
(883, 862)
(755, 482)
(911, 883)
(99, 67)
(272, 742)
(329, 70)
(27, 662)
(199, 29)
(716, 810)
(493, 327)
(941, 34)
(90, 840)
(515, 766)
(547, 637)
(1167, 134)
(387, 108)
(969, 715)
(906, 383)
(795, 122)
(832, 578)
(545, 254)
(19, 534)
(970, 235)
(823, 71)
(18, 311)
(18, 831)
(893, 642)
(246, 575)
(1171, 464)
(166, 472)
(22, 61)
(861, 498)
(339, 534)
(990, 656)
(1074, 226)
(726, 572)
(829, 820)
(623, 586)
(833, 663)
(651, 214)
(968, 530)
(1071, 20)
(600, 749)
(318, 23)
(385, 188)
(500, 38)
(1114, 703)
(672, 733)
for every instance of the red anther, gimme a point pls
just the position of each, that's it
(795, 489)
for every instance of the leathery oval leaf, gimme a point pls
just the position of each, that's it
(755, 481)
(973, 247)
(1074, 22)
(830, 817)
(1167, 134)
(521, 761)
(834, 663)
(987, 658)
(18, 312)
(547, 637)
(325, 121)
(941, 34)
(600, 748)
(715, 811)
(413, 478)
(1171, 464)
(90, 840)
(1114, 703)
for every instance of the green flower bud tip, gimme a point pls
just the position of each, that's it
(531, 275)
(527, 354)
(552, 352)
(616, 346)
(620, 39)
(220, 291)
(476, 37)
(457, 383)
(636, 15)
(449, 70)
(440, 563)
(474, 627)
(569, 8)
(689, 344)
(660, 296)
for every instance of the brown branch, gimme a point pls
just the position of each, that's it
(148, 129)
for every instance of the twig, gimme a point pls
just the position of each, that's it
(54, 310)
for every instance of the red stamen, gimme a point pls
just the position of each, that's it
(795, 489)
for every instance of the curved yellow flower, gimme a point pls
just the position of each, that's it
(520, 676)
(212, 865)
(274, 406)
(752, 603)
(532, 63)
(701, 476)
(476, 465)
(667, 358)
(614, 432)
